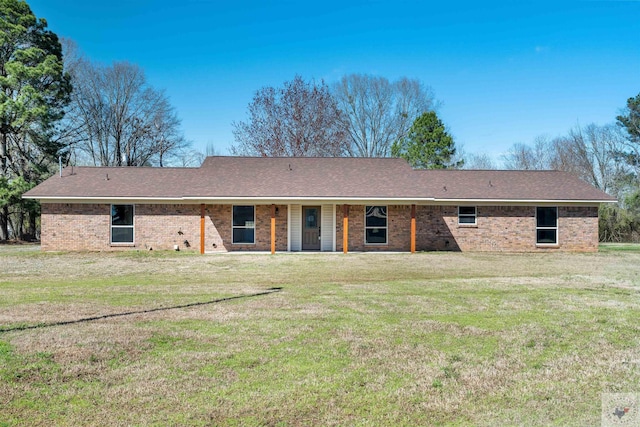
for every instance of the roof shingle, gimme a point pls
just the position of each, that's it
(308, 178)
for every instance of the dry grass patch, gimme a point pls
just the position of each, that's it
(363, 339)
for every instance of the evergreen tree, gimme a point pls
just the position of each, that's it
(427, 145)
(630, 120)
(33, 93)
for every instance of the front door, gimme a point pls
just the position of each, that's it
(311, 228)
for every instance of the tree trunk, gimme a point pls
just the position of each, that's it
(32, 226)
(4, 213)
(18, 232)
(3, 154)
(4, 223)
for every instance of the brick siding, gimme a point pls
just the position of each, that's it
(503, 228)
(578, 228)
(218, 229)
(75, 227)
(497, 228)
(163, 226)
(398, 229)
(86, 227)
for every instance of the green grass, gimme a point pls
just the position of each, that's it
(362, 339)
(619, 247)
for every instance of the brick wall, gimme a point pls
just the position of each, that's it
(504, 228)
(218, 229)
(75, 227)
(578, 228)
(499, 228)
(398, 229)
(162, 226)
(87, 227)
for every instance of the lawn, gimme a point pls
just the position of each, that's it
(163, 338)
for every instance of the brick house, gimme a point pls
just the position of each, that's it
(316, 204)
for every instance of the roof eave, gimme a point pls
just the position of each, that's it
(102, 199)
(321, 200)
(525, 201)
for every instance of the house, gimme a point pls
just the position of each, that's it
(316, 204)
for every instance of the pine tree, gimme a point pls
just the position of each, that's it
(427, 145)
(33, 93)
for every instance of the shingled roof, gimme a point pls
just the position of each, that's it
(268, 178)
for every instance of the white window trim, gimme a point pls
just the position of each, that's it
(557, 243)
(475, 216)
(386, 228)
(132, 226)
(233, 227)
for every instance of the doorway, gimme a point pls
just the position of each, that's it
(311, 228)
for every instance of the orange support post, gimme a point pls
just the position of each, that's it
(413, 229)
(345, 229)
(202, 228)
(273, 229)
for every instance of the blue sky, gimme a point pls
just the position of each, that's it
(505, 72)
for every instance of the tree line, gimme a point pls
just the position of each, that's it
(74, 110)
(56, 104)
(359, 116)
(606, 156)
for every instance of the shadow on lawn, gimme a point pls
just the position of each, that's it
(129, 313)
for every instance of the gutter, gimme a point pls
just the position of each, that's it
(320, 200)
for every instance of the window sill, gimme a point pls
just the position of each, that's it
(467, 225)
(547, 245)
(123, 245)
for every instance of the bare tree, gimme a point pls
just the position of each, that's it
(188, 157)
(481, 161)
(299, 119)
(117, 119)
(192, 157)
(526, 157)
(592, 153)
(212, 150)
(379, 112)
(165, 129)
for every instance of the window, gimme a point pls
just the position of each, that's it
(375, 225)
(466, 215)
(244, 224)
(311, 219)
(122, 224)
(547, 226)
